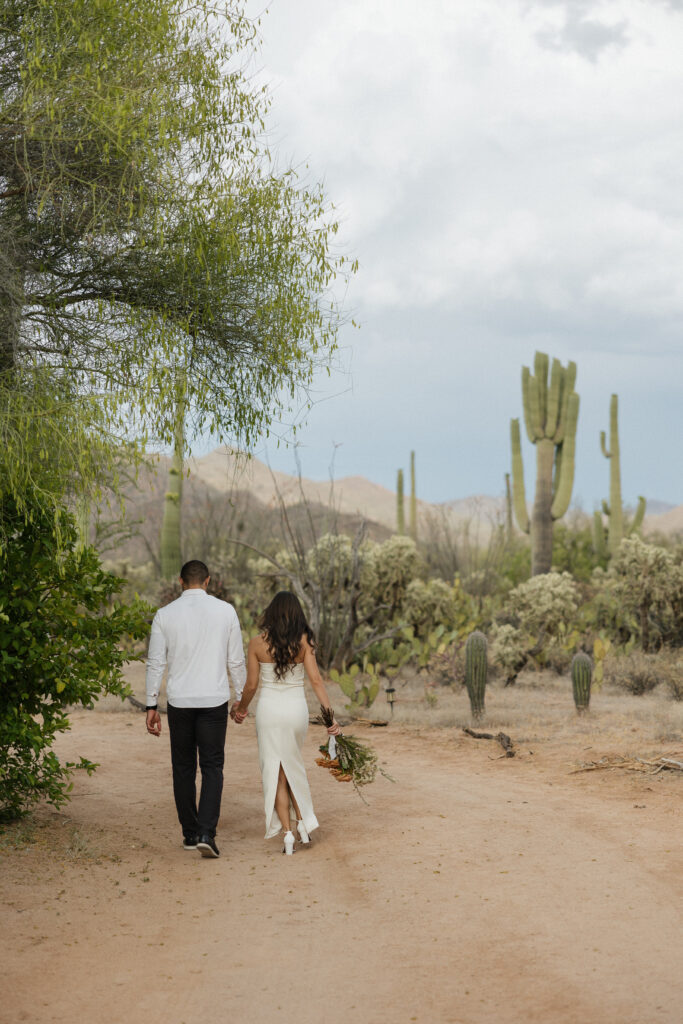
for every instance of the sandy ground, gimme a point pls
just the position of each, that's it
(474, 890)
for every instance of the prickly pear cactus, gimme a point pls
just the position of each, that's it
(476, 668)
(582, 675)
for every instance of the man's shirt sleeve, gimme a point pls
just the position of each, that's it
(156, 661)
(236, 667)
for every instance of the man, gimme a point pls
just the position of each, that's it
(197, 636)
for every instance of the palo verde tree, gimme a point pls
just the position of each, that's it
(144, 227)
(551, 410)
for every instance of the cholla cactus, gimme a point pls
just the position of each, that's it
(546, 603)
(648, 578)
(392, 566)
(509, 651)
(476, 668)
(582, 674)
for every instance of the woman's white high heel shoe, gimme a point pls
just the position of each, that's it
(303, 834)
(288, 848)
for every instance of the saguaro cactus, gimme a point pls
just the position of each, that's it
(400, 505)
(551, 411)
(582, 675)
(171, 557)
(614, 510)
(508, 507)
(476, 668)
(413, 499)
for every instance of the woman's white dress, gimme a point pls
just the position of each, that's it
(281, 726)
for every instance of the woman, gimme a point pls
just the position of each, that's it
(277, 659)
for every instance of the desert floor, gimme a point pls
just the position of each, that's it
(474, 889)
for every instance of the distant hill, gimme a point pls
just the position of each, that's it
(229, 495)
(352, 495)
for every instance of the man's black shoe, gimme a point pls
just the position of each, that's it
(207, 847)
(189, 842)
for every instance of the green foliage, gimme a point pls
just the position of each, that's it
(551, 409)
(509, 651)
(361, 687)
(53, 441)
(582, 672)
(646, 580)
(574, 550)
(431, 604)
(60, 645)
(545, 604)
(392, 566)
(144, 225)
(476, 669)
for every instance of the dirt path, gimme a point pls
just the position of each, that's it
(472, 891)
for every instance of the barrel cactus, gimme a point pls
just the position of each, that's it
(476, 667)
(582, 675)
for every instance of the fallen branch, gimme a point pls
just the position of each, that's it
(500, 737)
(631, 764)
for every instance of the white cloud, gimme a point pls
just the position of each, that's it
(507, 171)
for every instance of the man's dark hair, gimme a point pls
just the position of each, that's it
(193, 572)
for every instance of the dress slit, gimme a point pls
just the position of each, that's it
(281, 725)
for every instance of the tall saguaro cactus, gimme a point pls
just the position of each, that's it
(614, 510)
(551, 411)
(171, 556)
(413, 499)
(400, 505)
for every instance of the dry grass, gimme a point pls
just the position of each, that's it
(539, 708)
(55, 834)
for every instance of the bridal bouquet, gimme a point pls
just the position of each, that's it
(346, 758)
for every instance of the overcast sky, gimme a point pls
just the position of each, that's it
(509, 174)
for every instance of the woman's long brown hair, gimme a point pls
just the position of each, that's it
(283, 624)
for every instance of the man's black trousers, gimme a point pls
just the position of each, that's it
(198, 731)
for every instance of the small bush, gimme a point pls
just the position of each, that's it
(61, 636)
(639, 673)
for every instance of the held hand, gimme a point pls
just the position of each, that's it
(237, 715)
(334, 729)
(153, 723)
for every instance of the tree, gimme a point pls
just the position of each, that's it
(56, 599)
(144, 228)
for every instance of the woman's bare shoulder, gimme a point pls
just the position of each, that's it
(257, 644)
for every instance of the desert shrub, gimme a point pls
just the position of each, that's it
(447, 667)
(545, 604)
(392, 566)
(647, 581)
(637, 672)
(573, 550)
(61, 645)
(509, 651)
(558, 654)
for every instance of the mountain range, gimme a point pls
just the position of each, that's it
(224, 471)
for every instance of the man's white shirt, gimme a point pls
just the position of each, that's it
(199, 638)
